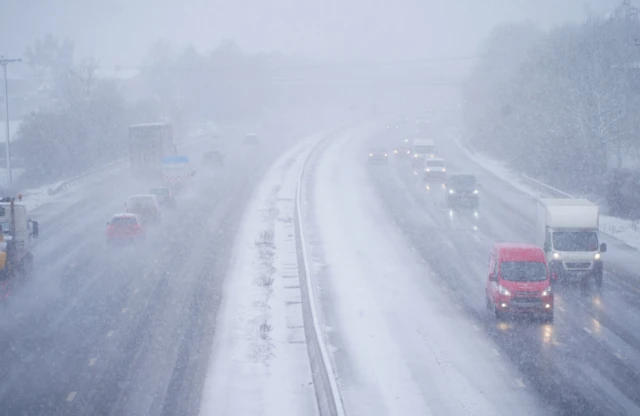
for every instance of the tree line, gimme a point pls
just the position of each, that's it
(84, 119)
(561, 105)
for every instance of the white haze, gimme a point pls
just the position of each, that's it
(118, 32)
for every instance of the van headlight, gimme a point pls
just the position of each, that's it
(444, 169)
(451, 191)
(427, 170)
(546, 292)
(476, 192)
(596, 256)
(503, 291)
(556, 255)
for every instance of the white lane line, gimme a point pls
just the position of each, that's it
(110, 334)
(92, 361)
(135, 291)
(560, 308)
(520, 383)
(475, 328)
(588, 330)
(72, 396)
(124, 310)
(619, 355)
(496, 352)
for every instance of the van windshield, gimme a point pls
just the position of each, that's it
(575, 241)
(523, 271)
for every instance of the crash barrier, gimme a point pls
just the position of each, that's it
(322, 371)
(107, 169)
(543, 190)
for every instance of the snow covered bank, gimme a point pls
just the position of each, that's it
(627, 231)
(259, 363)
(400, 346)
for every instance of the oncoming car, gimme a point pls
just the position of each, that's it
(435, 171)
(378, 154)
(462, 191)
(125, 228)
(146, 207)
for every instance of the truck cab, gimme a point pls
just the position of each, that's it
(568, 232)
(18, 232)
(519, 281)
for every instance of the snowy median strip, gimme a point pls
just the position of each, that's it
(261, 362)
(626, 231)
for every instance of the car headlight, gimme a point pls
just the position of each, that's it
(596, 256)
(556, 255)
(385, 155)
(427, 170)
(395, 151)
(415, 155)
(503, 291)
(444, 169)
(475, 191)
(370, 154)
(546, 292)
(451, 191)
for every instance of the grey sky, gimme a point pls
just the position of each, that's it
(119, 31)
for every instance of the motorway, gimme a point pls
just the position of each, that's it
(128, 331)
(402, 283)
(588, 361)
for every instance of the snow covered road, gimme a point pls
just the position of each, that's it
(402, 347)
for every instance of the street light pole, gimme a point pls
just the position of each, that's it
(4, 62)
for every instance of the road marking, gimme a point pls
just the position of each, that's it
(475, 328)
(92, 361)
(496, 352)
(124, 310)
(110, 334)
(560, 308)
(623, 283)
(588, 330)
(520, 383)
(135, 291)
(619, 355)
(72, 396)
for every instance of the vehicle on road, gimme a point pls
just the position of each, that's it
(125, 228)
(213, 158)
(568, 231)
(519, 281)
(148, 144)
(378, 154)
(177, 172)
(17, 232)
(251, 139)
(434, 171)
(165, 197)
(421, 149)
(146, 207)
(462, 191)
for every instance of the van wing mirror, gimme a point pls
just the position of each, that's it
(35, 229)
(603, 247)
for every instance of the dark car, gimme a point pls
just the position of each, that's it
(165, 196)
(462, 191)
(213, 158)
(378, 155)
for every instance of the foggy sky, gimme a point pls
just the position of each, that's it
(118, 32)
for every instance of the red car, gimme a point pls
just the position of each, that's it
(125, 228)
(519, 281)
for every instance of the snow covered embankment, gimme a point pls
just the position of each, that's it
(260, 363)
(627, 231)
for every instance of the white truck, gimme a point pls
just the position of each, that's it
(16, 258)
(568, 232)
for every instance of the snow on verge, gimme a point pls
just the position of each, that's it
(621, 229)
(259, 362)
